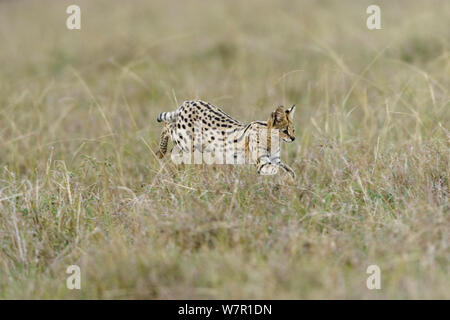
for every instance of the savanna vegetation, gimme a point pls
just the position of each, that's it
(80, 183)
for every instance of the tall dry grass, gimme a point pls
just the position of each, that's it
(80, 184)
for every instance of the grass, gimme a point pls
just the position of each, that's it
(80, 183)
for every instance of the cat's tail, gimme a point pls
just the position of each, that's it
(167, 116)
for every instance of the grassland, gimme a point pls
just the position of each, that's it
(80, 183)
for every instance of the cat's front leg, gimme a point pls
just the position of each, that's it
(287, 169)
(266, 167)
(277, 161)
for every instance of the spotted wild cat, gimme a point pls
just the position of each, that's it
(201, 126)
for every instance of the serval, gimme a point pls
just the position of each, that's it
(201, 126)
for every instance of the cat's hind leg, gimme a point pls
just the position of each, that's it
(163, 141)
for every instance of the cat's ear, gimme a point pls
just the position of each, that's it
(276, 116)
(279, 114)
(290, 112)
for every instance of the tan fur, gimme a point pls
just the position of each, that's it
(220, 130)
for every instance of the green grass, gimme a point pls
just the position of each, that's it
(80, 183)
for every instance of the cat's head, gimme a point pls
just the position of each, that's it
(283, 120)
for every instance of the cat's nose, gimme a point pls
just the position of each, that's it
(293, 138)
